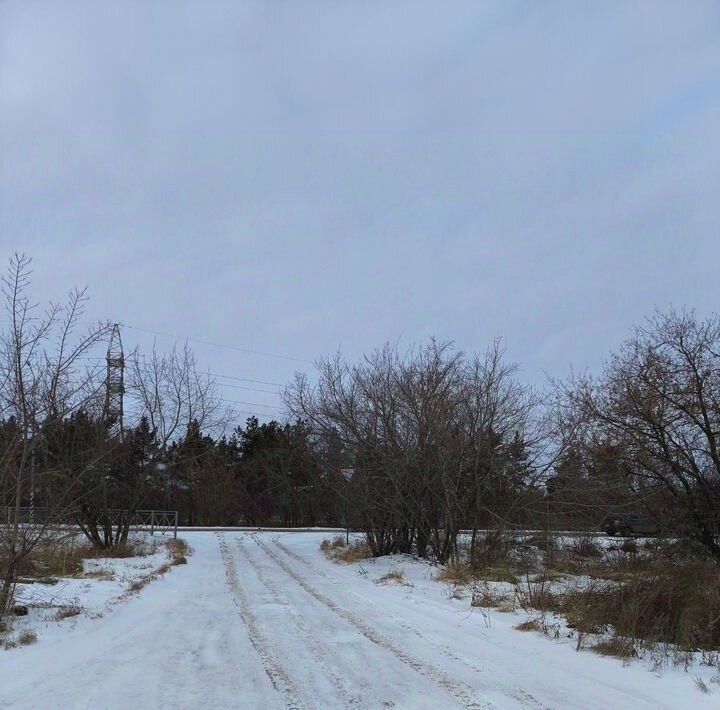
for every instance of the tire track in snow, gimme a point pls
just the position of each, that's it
(463, 693)
(318, 651)
(522, 696)
(276, 673)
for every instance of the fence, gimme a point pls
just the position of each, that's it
(162, 521)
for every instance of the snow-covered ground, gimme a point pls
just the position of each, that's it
(264, 620)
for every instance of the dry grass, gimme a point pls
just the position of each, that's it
(355, 552)
(680, 606)
(394, 576)
(62, 556)
(348, 554)
(585, 547)
(537, 594)
(530, 625)
(648, 602)
(55, 557)
(140, 583)
(456, 572)
(121, 551)
(67, 612)
(335, 544)
(615, 646)
(499, 574)
(26, 638)
(701, 685)
(462, 573)
(178, 546)
(101, 575)
(179, 551)
(484, 597)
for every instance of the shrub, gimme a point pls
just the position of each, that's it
(493, 549)
(536, 594)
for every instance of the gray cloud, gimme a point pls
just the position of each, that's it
(296, 176)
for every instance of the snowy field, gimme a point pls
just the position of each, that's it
(264, 620)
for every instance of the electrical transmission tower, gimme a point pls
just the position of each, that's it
(114, 384)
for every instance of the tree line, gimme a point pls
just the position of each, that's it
(412, 448)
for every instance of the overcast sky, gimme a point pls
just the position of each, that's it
(293, 177)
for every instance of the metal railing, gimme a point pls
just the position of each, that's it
(161, 521)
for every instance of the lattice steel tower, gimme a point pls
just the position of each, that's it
(114, 384)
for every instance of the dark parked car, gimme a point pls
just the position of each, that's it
(629, 524)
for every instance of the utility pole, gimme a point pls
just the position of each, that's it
(114, 384)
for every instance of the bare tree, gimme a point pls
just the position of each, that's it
(436, 442)
(167, 396)
(658, 403)
(42, 380)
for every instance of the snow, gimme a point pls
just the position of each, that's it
(264, 620)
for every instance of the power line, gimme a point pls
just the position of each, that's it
(245, 379)
(251, 389)
(252, 404)
(252, 414)
(218, 345)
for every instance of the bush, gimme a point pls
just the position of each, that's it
(492, 549)
(537, 594)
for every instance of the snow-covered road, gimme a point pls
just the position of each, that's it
(263, 620)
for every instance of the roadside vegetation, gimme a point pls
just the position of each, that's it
(431, 452)
(63, 557)
(658, 599)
